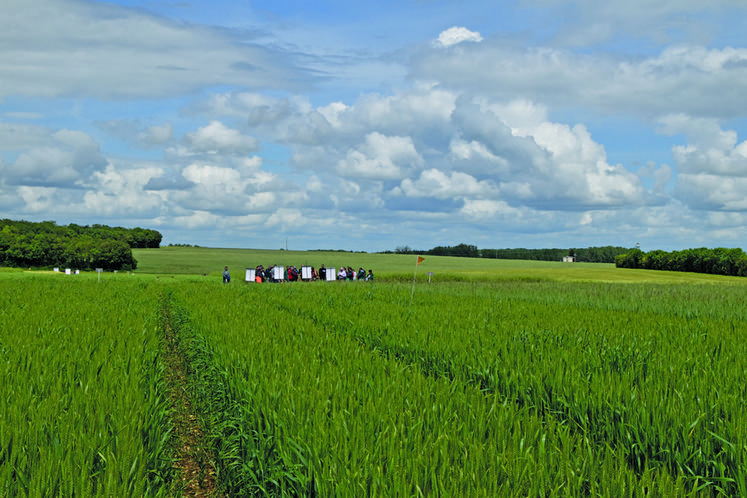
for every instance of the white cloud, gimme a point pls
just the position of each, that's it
(217, 139)
(455, 35)
(486, 209)
(156, 135)
(70, 159)
(712, 192)
(380, 158)
(121, 190)
(55, 48)
(286, 219)
(685, 78)
(199, 219)
(529, 159)
(37, 199)
(545, 163)
(434, 183)
(709, 149)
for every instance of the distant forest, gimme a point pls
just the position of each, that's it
(605, 254)
(718, 261)
(46, 244)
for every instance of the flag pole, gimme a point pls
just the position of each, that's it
(417, 263)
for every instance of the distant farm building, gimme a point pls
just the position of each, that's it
(569, 259)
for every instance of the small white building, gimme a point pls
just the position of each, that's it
(569, 259)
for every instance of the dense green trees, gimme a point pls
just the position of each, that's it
(718, 261)
(29, 244)
(604, 254)
(461, 250)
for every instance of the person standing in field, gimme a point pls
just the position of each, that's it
(369, 277)
(226, 275)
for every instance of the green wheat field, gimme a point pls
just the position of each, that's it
(487, 378)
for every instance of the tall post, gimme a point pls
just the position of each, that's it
(417, 263)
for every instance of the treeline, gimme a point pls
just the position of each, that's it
(45, 244)
(604, 254)
(718, 261)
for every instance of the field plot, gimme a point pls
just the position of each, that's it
(513, 388)
(82, 411)
(519, 386)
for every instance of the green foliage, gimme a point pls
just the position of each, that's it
(82, 406)
(718, 261)
(515, 388)
(27, 244)
(521, 386)
(605, 254)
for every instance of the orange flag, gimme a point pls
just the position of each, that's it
(420, 260)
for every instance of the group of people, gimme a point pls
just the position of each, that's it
(292, 273)
(346, 273)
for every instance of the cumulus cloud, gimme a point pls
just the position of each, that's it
(472, 149)
(122, 190)
(70, 159)
(216, 139)
(380, 157)
(711, 166)
(712, 192)
(709, 149)
(231, 190)
(455, 35)
(683, 78)
(435, 183)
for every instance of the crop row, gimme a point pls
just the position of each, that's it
(660, 385)
(83, 411)
(512, 388)
(474, 390)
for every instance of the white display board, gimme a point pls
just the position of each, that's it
(331, 274)
(68, 271)
(278, 272)
(306, 273)
(251, 273)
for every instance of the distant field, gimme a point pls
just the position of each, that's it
(210, 262)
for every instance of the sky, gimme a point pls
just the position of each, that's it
(371, 126)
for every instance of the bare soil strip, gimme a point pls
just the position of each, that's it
(193, 462)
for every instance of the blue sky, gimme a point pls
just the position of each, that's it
(368, 126)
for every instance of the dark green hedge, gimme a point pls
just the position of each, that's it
(45, 244)
(718, 261)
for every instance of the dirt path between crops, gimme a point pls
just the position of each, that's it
(192, 457)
